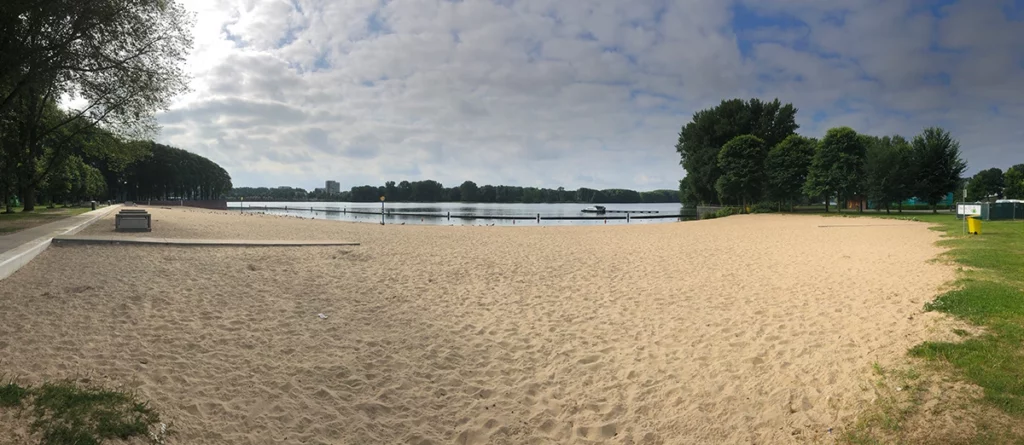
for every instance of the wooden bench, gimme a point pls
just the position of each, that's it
(133, 221)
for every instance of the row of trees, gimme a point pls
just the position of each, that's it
(743, 152)
(173, 173)
(122, 61)
(469, 191)
(995, 184)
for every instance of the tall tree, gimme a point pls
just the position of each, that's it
(741, 161)
(936, 155)
(703, 137)
(837, 167)
(786, 168)
(887, 168)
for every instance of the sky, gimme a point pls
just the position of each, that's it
(576, 93)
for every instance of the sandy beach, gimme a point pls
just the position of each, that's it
(747, 329)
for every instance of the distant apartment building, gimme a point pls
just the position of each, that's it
(333, 187)
(320, 190)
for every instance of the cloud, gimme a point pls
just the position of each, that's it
(556, 93)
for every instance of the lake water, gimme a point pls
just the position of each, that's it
(472, 214)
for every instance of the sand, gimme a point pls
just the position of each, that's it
(747, 329)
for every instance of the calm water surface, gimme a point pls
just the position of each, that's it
(481, 213)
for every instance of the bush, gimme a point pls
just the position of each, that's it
(764, 207)
(721, 213)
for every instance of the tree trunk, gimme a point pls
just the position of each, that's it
(887, 212)
(901, 206)
(935, 208)
(826, 205)
(28, 199)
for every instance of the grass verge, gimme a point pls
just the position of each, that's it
(68, 413)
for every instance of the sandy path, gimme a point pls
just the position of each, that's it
(748, 329)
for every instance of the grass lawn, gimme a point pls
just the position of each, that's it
(13, 222)
(988, 294)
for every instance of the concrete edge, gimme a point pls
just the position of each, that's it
(69, 240)
(16, 258)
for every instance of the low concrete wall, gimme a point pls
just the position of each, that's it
(215, 204)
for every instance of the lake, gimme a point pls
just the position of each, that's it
(472, 214)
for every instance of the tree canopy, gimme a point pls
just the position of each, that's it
(703, 137)
(1014, 179)
(741, 162)
(936, 156)
(888, 171)
(837, 166)
(786, 168)
(985, 184)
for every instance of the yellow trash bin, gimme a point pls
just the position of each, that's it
(974, 225)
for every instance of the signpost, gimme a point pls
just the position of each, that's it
(964, 232)
(382, 210)
(967, 210)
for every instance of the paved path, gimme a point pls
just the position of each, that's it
(66, 240)
(20, 247)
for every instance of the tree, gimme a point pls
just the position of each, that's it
(886, 170)
(741, 161)
(469, 191)
(985, 184)
(1014, 183)
(786, 168)
(701, 140)
(936, 156)
(837, 166)
(123, 59)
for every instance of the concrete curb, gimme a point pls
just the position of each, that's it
(110, 240)
(14, 259)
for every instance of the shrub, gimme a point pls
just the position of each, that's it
(721, 213)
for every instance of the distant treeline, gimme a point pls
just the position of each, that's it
(433, 191)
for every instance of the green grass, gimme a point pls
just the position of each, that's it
(11, 395)
(18, 220)
(68, 413)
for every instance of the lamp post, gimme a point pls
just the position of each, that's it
(382, 210)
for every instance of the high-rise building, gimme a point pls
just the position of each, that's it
(333, 187)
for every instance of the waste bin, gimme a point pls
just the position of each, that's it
(94, 205)
(974, 225)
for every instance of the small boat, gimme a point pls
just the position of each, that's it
(594, 209)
